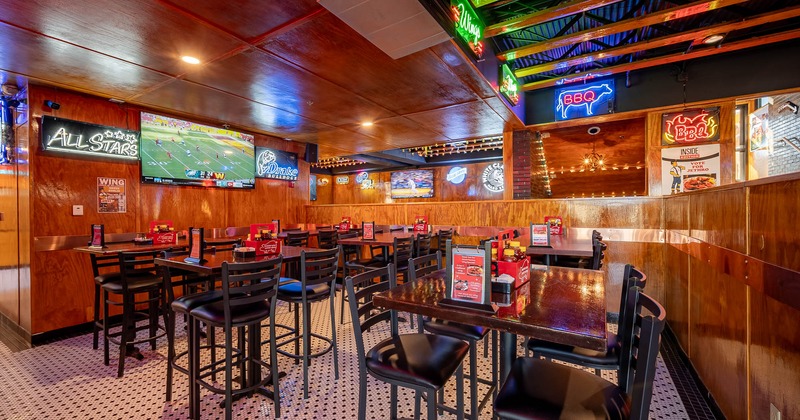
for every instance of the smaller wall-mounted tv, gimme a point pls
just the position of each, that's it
(416, 183)
(178, 152)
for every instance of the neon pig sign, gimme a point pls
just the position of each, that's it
(690, 126)
(577, 102)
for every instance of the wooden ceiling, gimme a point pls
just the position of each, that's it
(285, 68)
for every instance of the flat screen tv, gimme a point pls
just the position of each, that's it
(178, 152)
(416, 183)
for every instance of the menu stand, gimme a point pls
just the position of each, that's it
(196, 246)
(469, 281)
(540, 235)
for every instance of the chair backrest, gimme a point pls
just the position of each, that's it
(327, 239)
(324, 227)
(348, 251)
(369, 283)
(597, 254)
(246, 283)
(104, 261)
(318, 267)
(297, 238)
(224, 245)
(137, 264)
(423, 242)
(631, 277)
(424, 265)
(443, 236)
(640, 351)
(169, 282)
(403, 251)
(294, 229)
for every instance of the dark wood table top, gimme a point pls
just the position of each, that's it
(116, 248)
(213, 263)
(562, 305)
(560, 245)
(284, 234)
(382, 239)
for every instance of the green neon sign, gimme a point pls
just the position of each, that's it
(509, 85)
(468, 25)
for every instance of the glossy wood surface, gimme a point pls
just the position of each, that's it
(560, 245)
(112, 249)
(720, 218)
(562, 305)
(213, 261)
(774, 212)
(384, 239)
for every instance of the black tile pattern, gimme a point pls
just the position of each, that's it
(697, 403)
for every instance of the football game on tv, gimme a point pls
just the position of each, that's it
(412, 184)
(177, 152)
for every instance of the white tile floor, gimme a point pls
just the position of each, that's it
(67, 380)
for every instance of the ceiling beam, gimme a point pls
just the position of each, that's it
(674, 58)
(398, 156)
(621, 26)
(788, 13)
(565, 9)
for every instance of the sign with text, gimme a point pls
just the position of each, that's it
(162, 232)
(76, 137)
(689, 168)
(196, 245)
(276, 164)
(691, 126)
(540, 234)
(456, 175)
(98, 237)
(111, 195)
(556, 224)
(578, 101)
(492, 178)
(344, 225)
(508, 84)
(468, 275)
(342, 180)
(421, 224)
(368, 231)
(468, 26)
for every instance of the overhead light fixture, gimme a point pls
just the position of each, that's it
(191, 60)
(713, 39)
(367, 124)
(593, 161)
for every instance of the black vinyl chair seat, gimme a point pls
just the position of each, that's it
(420, 359)
(455, 329)
(214, 313)
(135, 283)
(577, 355)
(107, 277)
(186, 303)
(538, 389)
(291, 288)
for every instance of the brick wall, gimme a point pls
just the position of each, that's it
(785, 124)
(520, 144)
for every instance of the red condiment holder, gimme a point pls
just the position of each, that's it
(264, 246)
(162, 232)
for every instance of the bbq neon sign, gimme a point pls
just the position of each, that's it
(585, 101)
(690, 126)
(468, 25)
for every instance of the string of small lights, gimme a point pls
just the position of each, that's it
(464, 146)
(335, 162)
(573, 169)
(546, 175)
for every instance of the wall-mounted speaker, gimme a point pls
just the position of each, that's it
(311, 153)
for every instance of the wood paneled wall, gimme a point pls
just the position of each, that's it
(351, 193)
(60, 181)
(733, 287)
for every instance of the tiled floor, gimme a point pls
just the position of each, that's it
(67, 379)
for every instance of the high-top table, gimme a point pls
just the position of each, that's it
(559, 245)
(385, 239)
(562, 305)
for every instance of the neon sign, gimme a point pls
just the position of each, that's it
(456, 175)
(492, 178)
(276, 164)
(343, 180)
(690, 126)
(577, 102)
(69, 136)
(509, 85)
(468, 25)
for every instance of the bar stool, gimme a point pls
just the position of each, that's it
(421, 266)
(137, 276)
(102, 262)
(422, 362)
(249, 292)
(317, 283)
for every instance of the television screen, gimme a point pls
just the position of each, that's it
(412, 184)
(177, 152)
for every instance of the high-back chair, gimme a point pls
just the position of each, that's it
(610, 359)
(248, 298)
(441, 243)
(422, 362)
(299, 238)
(403, 251)
(539, 389)
(317, 283)
(327, 239)
(423, 244)
(109, 265)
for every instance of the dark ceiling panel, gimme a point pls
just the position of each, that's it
(139, 31)
(269, 80)
(66, 65)
(465, 121)
(334, 51)
(399, 132)
(249, 19)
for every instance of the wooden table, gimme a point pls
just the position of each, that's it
(284, 234)
(116, 248)
(562, 305)
(559, 245)
(381, 239)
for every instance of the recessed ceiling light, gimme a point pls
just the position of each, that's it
(191, 60)
(367, 124)
(713, 39)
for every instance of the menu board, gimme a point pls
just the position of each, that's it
(368, 231)
(277, 224)
(195, 245)
(467, 276)
(540, 234)
(111, 195)
(98, 238)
